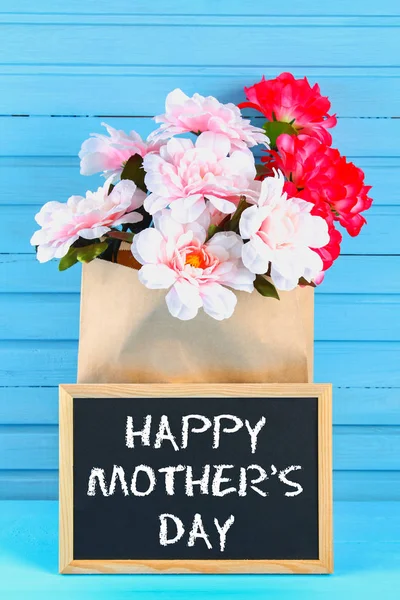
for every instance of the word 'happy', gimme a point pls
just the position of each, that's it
(164, 433)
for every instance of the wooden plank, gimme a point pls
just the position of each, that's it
(347, 485)
(201, 7)
(28, 447)
(28, 406)
(366, 406)
(60, 178)
(366, 448)
(56, 317)
(350, 275)
(23, 273)
(51, 363)
(379, 236)
(27, 317)
(138, 90)
(351, 406)
(357, 317)
(31, 485)
(345, 364)
(63, 136)
(231, 40)
(358, 364)
(205, 20)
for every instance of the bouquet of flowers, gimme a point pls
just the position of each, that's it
(202, 218)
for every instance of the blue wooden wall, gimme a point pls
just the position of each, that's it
(66, 66)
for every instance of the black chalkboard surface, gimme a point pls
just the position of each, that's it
(225, 478)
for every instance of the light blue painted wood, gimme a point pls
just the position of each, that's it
(30, 406)
(231, 40)
(138, 90)
(202, 7)
(354, 447)
(348, 486)
(349, 275)
(367, 561)
(60, 178)
(345, 364)
(31, 484)
(351, 406)
(56, 317)
(58, 136)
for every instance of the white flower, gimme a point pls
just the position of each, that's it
(197, 273)
(62, 223)
(199, 114)
(184, 176)
(109, 154)
(282, 232)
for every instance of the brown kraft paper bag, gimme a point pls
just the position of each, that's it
(128, 336)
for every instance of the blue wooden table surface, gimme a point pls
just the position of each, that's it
(367, 563)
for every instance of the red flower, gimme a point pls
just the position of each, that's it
(293, 101)
(320, 174)
(331, 251)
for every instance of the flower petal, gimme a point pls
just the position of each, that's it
(218, 302)
(157, 277)
(250, 222)
(256, 256)
(183, 301)
(186, 210)
(225, 244)
(218, 143)
(154, 203)
(132, 217)
(146, 246)
(225, 206)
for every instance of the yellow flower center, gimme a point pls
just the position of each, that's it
(196, 259)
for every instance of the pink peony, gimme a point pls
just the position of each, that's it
(197, 273)
(185, 176)
(198, 114)
(109, 154)
(293, 101)
(89, 218)
(282, 233)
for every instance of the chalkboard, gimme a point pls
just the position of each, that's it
(207, 478)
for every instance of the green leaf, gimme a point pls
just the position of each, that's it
(212, 230)
(265, 287)
(233, 224)
(274, 129)
(134, 171)
(89, 253)
(68, 260)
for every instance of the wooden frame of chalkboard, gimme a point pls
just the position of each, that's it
(322, 393)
